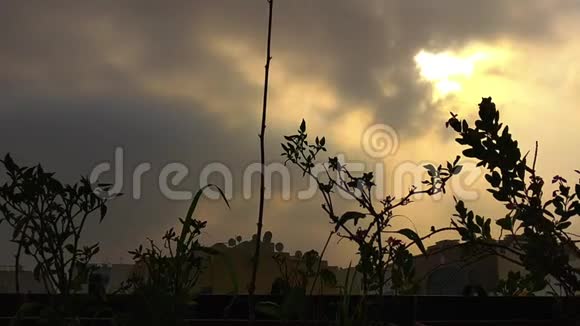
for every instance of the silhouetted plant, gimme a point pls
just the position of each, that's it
(296, 272)
(47, 220)
(346, 314)
(171, 271)
(540, 242)
(327, 278)
(295, 275)
(517, 284)
(378, 252)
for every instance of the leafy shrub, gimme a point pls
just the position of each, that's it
(378, 253)
(174, 269)
(47, 219)
(171, 271)
(537, 226)
(517, 284)
(296, 272)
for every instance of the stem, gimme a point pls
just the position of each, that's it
(380, 269)
(535, 159)
(76, 236)
(252, 287)
(17, 268)
(320, 263)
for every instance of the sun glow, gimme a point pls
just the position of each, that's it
(446, 70)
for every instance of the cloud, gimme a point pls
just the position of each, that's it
(169, 50)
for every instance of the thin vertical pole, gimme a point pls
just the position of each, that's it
(256, 259)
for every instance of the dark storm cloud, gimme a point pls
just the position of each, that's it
(70, 136)
(74, 80)
(346, 43)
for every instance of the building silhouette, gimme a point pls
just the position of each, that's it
(448, 269)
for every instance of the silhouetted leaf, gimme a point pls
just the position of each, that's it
(470, 152)
(413, 237)
(505, 223)
(103, 212)
(36, 272)
(70, 248)
(564, 225)
(9, 163)
(479, 220)
(351, 215)
(431, 170)
(487, 228)
(457, 169)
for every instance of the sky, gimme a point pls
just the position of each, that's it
(181, 82)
